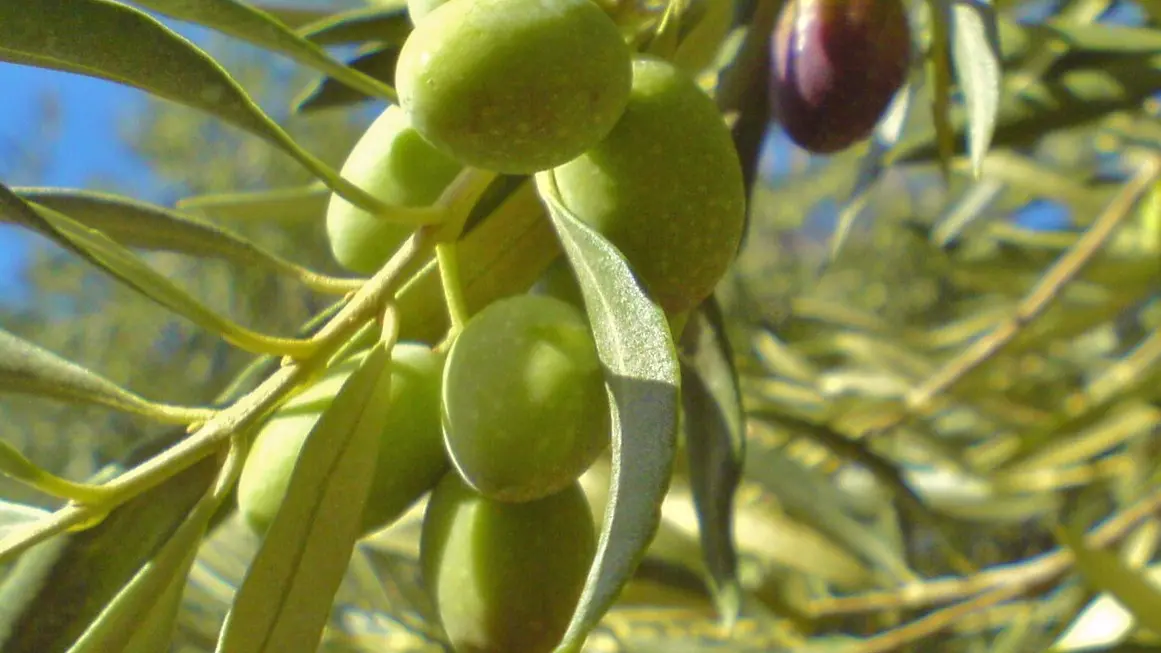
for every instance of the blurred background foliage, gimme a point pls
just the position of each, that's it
(973, 370)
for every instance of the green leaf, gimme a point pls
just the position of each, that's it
(1073, 93)
(295, 204)
(699, 47)
(1107, 572)
(14, 465)
(141, 617)
(58, 587)
(13, 516)
(251, 24)
(643, 377)
(285, 600)
(26, 368)
(125, 266)
(377, 61)
(146, 226)
(976, 57)
(388, 23)
(1101, 37)
(714, 427)
(295, 17)
(112, 41)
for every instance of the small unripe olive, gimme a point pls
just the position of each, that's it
(411, 456)
(835, 66)
(525, 410)
(505, 577)
(665, 187)
(514, 86)
(394, 164)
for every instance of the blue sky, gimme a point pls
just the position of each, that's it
(86, 143)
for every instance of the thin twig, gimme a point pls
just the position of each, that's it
(1066, 268)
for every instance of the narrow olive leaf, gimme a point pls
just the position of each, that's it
(26, 368)
(295, 17)
(1107, 572)
(285, 601)
(378, 61)
(976, 57)
(112, 41)
(643, 376)
(1103, 623)
(940, 74)
(1074, 92)
(14, 465)
(140, 618)
(251, 24)
(16, 515)
(125, 266)
(295, 204)
(387, 23)
(57, 588)
(146, 226)
(1101, 37)
(700, 46)
(715, 438)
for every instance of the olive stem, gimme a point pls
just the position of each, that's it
(457, 202)
(453, 290)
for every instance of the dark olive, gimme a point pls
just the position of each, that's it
(835, 67)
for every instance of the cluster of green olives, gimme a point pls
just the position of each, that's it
(500, 422)
(499, 431)
(517, 87)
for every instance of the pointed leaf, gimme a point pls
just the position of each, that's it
(140, 618)
(1107, 572)
(146, 226)
(26, 368)
(125, 266)
(716, 441)
(978, 68)
(294, 204)
(295, 17)
(388, 23)
(57, 588)
(112, 41)
(251, 24)
(285, 601)
(328, 92)
(643, 378)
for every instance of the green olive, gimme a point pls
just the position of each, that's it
(417, 10)
(514, 86)
(525, 410)
(394, 164)
(505, 577)
(411, 455)
(665, 187)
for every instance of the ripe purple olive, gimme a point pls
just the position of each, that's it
(835, 67)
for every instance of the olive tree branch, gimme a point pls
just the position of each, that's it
(363, 306)
(1062, 272)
